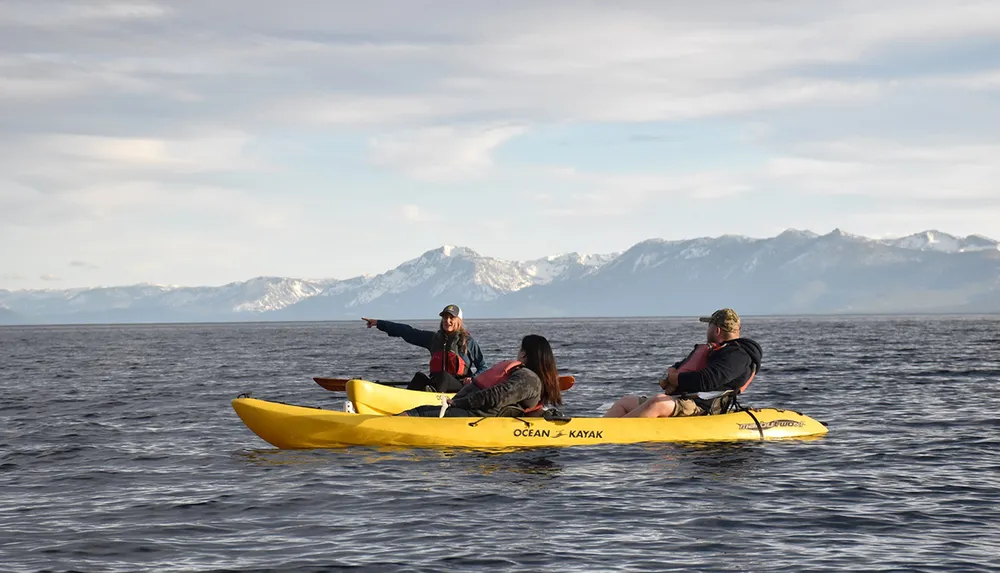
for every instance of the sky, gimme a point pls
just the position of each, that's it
(206, 142)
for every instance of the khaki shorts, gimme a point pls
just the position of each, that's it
(682, 407)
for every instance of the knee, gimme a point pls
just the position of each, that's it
(628, 402)
(621, 407)
(663, 407)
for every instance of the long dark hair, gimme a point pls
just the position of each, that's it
(539, 359)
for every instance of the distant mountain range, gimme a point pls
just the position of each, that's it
(796, 272)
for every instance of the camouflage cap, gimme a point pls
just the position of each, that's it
(725, 318)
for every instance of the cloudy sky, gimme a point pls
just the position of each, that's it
(204, 142)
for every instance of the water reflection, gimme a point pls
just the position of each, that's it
(275, 457)
(535, 463)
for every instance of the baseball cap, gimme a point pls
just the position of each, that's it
(725, 318)
(453, 310)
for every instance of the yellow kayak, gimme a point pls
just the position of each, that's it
(297, 427)
(374, 398)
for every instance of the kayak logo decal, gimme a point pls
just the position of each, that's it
(532, 433)
(773, 424)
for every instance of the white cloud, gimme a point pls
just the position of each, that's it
(442, 154)
(189, 130)
(891, 169)
(68, 13)
(607, 62)
(906, 219)
(411, 213)
(132, 202)
(48, 277)
(559, 193)
(872, 169)
(200, 152)
(83, 264)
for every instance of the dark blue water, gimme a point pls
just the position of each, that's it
(119, 451)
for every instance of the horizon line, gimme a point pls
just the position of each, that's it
(823, 315)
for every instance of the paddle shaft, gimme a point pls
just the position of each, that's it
(340, 384)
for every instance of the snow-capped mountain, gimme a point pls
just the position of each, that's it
(793, 272)
(943, 242)
(439, 277)
(146, 302)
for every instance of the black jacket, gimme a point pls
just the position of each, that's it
(728, 368)
(523, 389)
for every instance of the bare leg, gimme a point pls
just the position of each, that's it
(660, 406)
(623, 406)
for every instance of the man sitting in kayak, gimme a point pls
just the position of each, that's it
(453, 350)
(704, 382)
(520, 387)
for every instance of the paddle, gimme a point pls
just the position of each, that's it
(340, 384)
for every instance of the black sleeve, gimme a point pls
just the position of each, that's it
(522, 385)
(465, 391)
(726, 369)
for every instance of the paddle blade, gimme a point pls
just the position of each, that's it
(566, 382)
(340, 384)
(333, 384)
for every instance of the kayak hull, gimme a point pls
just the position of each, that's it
(296, 427)
(379, 399)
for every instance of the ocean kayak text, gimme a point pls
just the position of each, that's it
(531, 433)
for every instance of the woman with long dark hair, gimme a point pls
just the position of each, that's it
(454, 353)
(519, 387)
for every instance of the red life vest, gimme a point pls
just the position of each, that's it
(698, 360)
(445, 357)
(449, 362)
(498, 374)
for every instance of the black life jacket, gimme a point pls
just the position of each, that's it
(445, 356)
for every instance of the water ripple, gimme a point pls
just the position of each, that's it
(119, 451)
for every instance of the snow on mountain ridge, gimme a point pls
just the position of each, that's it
(277, 295)
(450, 269)
(479, 278)
(795, 233)
(257, 295)
(414, 272)
(934, 240)
(556, 267)
(461, 274)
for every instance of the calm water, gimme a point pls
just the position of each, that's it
(119, 451)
